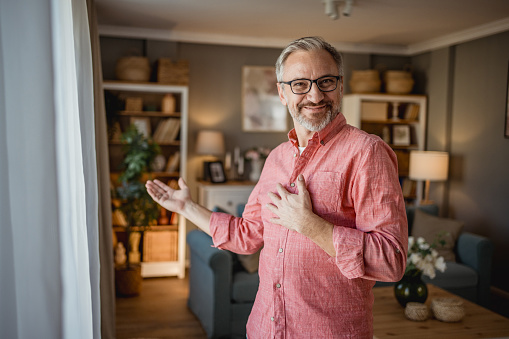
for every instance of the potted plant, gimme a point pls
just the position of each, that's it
(139, 209)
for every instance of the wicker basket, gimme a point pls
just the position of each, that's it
(398, 82)
(366, 81)
(134, 104)
(416, 311)
(448, 309)
(170, 72)
(133, 69)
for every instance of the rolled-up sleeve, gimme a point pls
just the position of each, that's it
(376, 248)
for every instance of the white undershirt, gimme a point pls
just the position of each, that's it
(301, 149)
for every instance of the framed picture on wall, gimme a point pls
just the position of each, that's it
(507, 107)
(262, 111)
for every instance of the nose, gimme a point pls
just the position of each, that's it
(315, 95)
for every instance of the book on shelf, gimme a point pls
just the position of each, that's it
(173, 162)
(412, 112)
(167, 130)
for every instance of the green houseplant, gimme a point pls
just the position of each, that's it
(135, 203)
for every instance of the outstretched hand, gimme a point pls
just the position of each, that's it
(173, 200)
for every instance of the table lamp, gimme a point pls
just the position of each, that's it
(428, 166)
(209, 143)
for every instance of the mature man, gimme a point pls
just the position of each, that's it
(328, 211)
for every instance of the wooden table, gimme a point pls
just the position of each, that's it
(390, 321)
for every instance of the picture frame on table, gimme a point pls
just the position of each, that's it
(401, 135)
(216, 172)
(142, 125)
(262, 111)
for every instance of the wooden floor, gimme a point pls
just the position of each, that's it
(159, 312)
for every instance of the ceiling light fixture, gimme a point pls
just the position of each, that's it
(331, 8)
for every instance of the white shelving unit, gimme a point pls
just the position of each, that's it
(155, 91)
(384, 115)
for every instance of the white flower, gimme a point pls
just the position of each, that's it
(423, 258)
(440, 264)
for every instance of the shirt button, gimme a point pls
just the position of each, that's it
(278, 285)
(294, 155)
(271, 318)
(280, 250)
(397, 250)
(292, 184)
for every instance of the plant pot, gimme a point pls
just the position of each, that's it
(411, 288)
(128, 280)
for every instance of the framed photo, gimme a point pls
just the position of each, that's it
(262, 111)
(216, 171)
(401, 135)
(143, 125)
(507, 107)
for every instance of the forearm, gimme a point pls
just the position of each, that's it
(320, 232)
(198, 215)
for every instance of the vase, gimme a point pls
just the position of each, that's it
(411, 288)
(256, 170)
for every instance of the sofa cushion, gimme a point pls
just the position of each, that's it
(245, 286)
(455, 276)
(431, 227)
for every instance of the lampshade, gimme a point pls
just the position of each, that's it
(210, 143)
(427, 165)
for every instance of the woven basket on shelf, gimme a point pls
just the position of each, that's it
(133, 68)
(173, 72)
(448, 309)
(365, 81)
(398, 82)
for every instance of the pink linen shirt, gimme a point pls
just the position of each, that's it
(353, 182)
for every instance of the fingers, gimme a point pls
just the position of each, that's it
(182, 183)
(301, 184)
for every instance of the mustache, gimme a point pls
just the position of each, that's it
(312, 104)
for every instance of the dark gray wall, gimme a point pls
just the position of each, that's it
(467, 88)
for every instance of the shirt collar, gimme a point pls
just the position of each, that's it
(325, 135)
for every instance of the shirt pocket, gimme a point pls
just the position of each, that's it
(326, 191)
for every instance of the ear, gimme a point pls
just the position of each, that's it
(280, 90)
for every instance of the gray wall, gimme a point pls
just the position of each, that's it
(467, 88)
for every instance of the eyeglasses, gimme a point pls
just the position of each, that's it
(302, 86)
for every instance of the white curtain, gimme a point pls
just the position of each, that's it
(49, 257)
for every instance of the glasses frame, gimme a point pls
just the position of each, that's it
(313, 81)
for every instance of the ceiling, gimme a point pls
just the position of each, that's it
(374, 26)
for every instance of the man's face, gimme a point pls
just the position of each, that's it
(315, 109)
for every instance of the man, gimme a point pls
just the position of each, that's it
(328, 211)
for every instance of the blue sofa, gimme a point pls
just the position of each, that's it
(221, 293)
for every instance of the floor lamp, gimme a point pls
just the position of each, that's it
(428, 166)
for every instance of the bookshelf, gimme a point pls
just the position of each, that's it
(160, 111)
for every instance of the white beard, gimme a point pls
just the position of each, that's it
(331, 113)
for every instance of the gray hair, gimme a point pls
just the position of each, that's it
(307, 44)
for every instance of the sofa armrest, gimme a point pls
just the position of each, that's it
(210, 280)
(476, 252)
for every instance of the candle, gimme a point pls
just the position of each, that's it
(228, 161)
(241, 166)
(236, 155)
